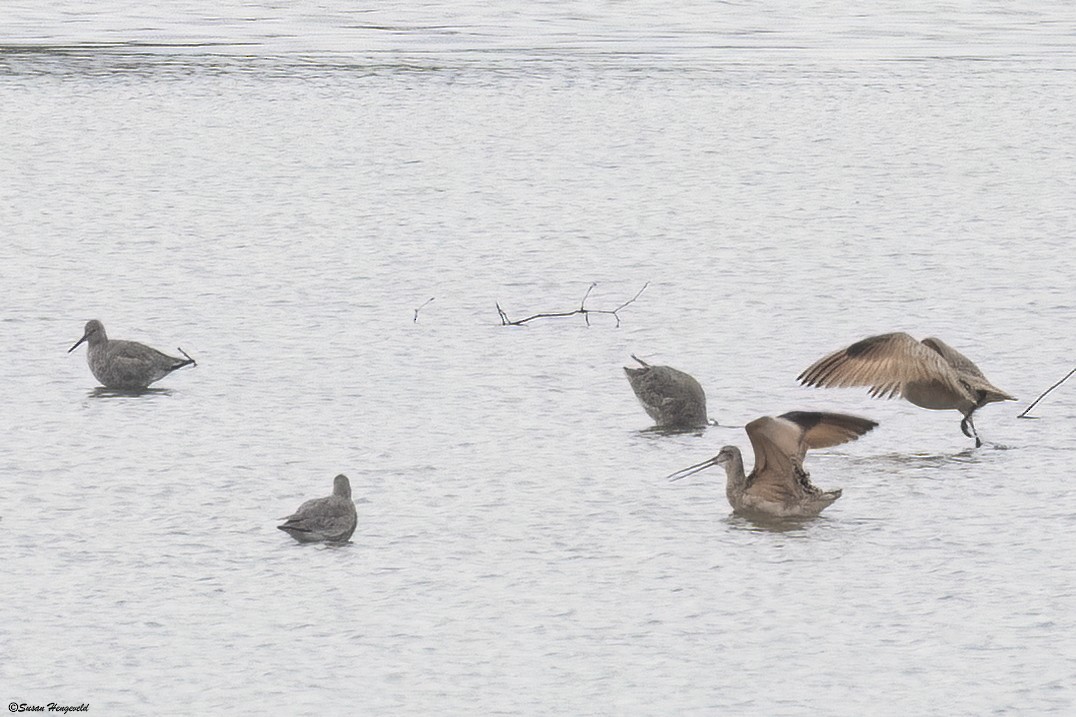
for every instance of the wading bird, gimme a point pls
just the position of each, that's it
(778, 486)
(928, 373)
(126, 364)
(671, 397)
(330, 519)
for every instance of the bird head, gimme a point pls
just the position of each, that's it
(94, 330)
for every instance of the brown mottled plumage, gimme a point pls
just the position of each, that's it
(671, 397)
(929, 373)
(778, 486)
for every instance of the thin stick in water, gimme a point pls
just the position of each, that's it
(188, 356)
(1043, 395)
(415, 320)
(505, 321)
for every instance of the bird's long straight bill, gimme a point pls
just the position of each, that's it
(692, 470)
(77, 343)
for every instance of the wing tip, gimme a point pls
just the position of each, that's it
(822, 429)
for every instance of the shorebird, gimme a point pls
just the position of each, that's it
(778, 486)
(331, 519)
(928, 373)
(126, 364)
(671, 397)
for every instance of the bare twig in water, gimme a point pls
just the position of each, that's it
(188, 356)
(415, 320)
(505, 321)
(1043, 395)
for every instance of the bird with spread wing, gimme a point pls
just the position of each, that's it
(778, 486)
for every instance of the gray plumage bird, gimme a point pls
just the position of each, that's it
(671, 397)
(929, 373)
(126, 365)
(332, 519)
(778, 485)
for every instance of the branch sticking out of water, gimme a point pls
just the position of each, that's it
(1043, 395)
(415, 320)
(187, 355)
(615, 313)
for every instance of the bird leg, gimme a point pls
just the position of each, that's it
(967, 424)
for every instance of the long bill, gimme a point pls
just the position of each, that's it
(692, 470)
(77, 343)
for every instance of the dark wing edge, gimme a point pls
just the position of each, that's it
(884, 363)
(953, 357)
(822, 429)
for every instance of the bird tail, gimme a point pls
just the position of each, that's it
(998, 395)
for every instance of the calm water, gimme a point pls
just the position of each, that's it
(275, 187)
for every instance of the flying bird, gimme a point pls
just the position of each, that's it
(929, 373)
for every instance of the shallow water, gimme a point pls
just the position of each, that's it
(277, 189)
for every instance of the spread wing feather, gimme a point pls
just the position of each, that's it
(885, 363)
(954, 358)
(780, 445)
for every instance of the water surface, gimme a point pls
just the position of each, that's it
(276, 188)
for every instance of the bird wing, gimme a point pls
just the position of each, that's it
(325, 516)
(779, 449)
(308, 508)
(822, 429)
(954, 358)
(885, 363)
(330, 525)
(965, 366)
(132, 353)
(781, 443)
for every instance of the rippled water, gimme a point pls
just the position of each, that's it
(277, 187)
